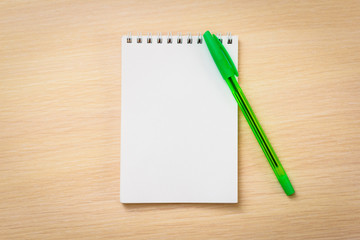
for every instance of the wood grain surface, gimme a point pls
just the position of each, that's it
(60, 83)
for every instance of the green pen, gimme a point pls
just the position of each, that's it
(228, 71)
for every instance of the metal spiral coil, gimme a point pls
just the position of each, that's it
(178, 39)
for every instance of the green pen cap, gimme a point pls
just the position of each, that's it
(221, 57)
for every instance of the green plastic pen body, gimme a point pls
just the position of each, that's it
(260, 135)
(228, 71)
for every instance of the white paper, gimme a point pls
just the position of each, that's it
(179, 125)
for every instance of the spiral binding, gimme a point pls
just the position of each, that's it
(169, 39)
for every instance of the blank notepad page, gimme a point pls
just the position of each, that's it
(179, 123)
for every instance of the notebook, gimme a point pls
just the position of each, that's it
(179, 122)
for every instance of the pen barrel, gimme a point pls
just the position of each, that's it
(260, 135)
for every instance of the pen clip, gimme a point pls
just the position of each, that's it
(227, 56)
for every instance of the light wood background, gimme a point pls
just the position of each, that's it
(60, 111)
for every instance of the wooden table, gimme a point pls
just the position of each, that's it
(60, 119)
